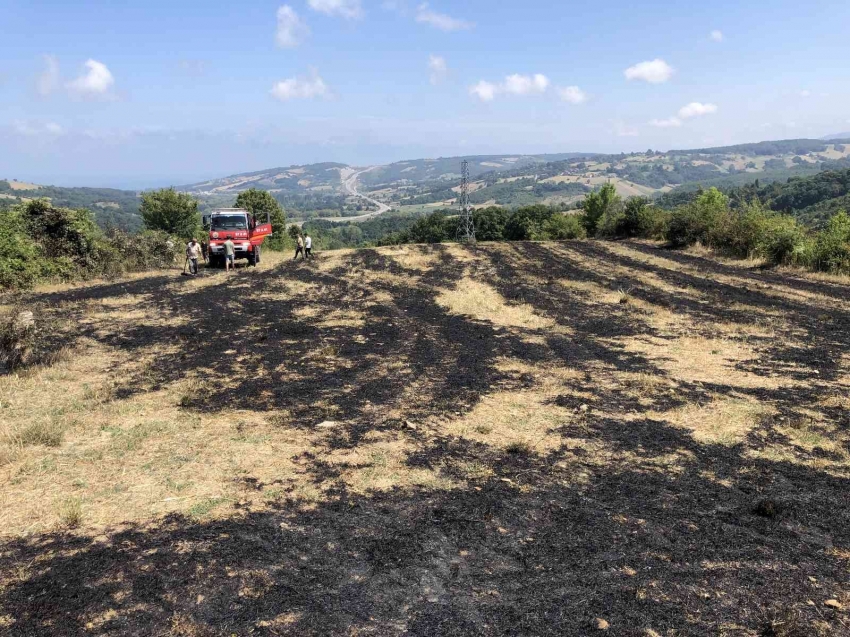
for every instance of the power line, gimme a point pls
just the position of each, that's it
(466, 227)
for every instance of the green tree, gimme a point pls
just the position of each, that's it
(490, 223)
(259, 203)
(604, 201)
(433, 228)
(171, 211)
(560, 227)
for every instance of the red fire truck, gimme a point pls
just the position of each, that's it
(238, 225)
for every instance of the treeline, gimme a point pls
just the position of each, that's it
(111, 207)
(745, 230)
(812, 200)
(40, 241)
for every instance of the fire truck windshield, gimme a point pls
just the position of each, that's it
(229, 222)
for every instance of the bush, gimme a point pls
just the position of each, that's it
(605, 202)
(784, 242)
(433, 228)
(695, 222)
(490, 223)
(527, 223)
(148, 250)
(17, 337)
(561, 227)
(637, 218)
(831, 249)
(170, 211)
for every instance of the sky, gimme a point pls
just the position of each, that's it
(154, 93)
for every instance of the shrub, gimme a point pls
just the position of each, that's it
(831, 249)
(148, 250)
(784, 241)
(527, 223)
(564, 226)
(605, 202)
(490, 223)
(170, 211)
(695, 222)
(17, 337)
(433, 228)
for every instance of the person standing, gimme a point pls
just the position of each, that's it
(205, 251)
(299, 248)
(193, 253)
(308, 247)
(229, 255)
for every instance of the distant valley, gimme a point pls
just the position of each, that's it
(413, 187)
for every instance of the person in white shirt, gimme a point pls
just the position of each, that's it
(308, 247)
(193, 253)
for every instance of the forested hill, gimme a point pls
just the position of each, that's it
(111, 207)
(812, 200)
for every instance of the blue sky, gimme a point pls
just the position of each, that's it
(156, 93)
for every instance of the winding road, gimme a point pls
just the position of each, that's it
(349, 182)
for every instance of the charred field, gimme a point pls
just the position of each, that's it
(513, 439)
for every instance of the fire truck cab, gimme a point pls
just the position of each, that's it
(238, 225)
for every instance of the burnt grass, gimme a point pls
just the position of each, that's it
(727, 545)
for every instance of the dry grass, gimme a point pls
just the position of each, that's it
(482, 302)
(477, 388)
(723, 421)
(66, 438)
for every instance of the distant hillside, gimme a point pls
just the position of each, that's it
(111, 207)
(448, 168)
(310, 178)
(649, 174)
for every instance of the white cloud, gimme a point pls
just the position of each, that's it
(300, 88)
(624, 130)
(96, 81)
(515, 84)
(695, 109)
(48, 81)
(654, 71)
(485, 91)
(350, 9)
(37, 129)
(526, 84)
(716, 36)
(438, 67)
(440, 20)
(573, 95)
(805, 93)
(670, 122)
(291, 29)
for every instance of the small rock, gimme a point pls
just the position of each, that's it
(601, 624)
(410, 425)
(584, 407)
(833, 603)
(651, 633)
(328, 424)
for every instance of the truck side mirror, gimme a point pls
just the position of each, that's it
(206, 221)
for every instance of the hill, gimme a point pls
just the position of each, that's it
(111, 207)
(529, 438)
(649, 174)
